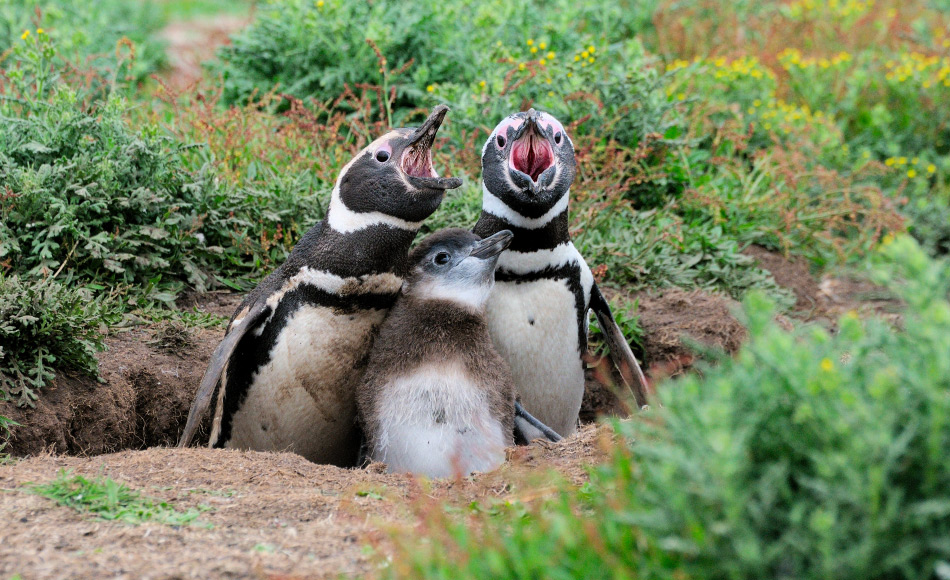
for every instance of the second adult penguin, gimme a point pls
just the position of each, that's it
(539, 310)
(436, 398)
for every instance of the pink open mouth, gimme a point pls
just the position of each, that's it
(531, 154)
(417, 161)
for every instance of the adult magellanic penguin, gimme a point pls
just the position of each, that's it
(538, 312)
(296, 347)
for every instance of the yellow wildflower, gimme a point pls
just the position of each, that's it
(542, 45)
(520, 66)
(585, 54)
(542, 62)
(534, 49)
(912, 173)
(25, 35)
(550, 93)
(530, 41)
(931, 168)
(591, 60)
(591, 49)
(577, 57)
(481, 84)
(827, 365)
(430, 88)
(319, 3)
(40, 31)
(551, 56)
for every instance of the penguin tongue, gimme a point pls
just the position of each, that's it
(531, 154)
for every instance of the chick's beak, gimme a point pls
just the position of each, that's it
(492, 245)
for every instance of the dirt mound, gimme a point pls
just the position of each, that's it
(149, 379)
(192, 42)
(270, 514)
(791, 273)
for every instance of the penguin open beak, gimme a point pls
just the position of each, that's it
(531, 152)
(416, 160)
(492, 245)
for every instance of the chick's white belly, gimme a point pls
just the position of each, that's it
(436, 422)
(534, 327)
(303, 399)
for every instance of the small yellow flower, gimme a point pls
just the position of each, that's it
(534, 49)
(570, 74)
(481, 84)
(25, 35)
(915, 161)
(319, 3)
(866, 154)
(542, 62)
(912, 173)
(530, 41)
(681, 96)
(585, 54)
(887, 240)
(498, 43)
(548, 81)
(40, 31)
(551, 56)
(889, 161)
(430, 89)
(591, 60)
(577, 57)
(550, 93)
(591, 49)
(827, 365)
(542, 45)
(520, 66)
(931, 168)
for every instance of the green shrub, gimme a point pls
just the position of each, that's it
(809, 455)
(116, 205)
(44, 326)
(312, 48)
(88, 32)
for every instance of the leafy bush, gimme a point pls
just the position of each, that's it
(89, 32)
(45, 325)
(117, 205)
(809, 455)
(312, 48)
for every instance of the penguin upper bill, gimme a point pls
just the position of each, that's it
(528, 163)
(394, 175)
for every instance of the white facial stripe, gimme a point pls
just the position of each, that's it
(495, 206)
(345, 220)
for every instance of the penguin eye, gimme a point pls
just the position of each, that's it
(442, 258)
(557, 137)
(500, 139)
(382, 156)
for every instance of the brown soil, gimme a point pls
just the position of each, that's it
(192, 42)
(142, 402)
(272, 515)
(791, 273)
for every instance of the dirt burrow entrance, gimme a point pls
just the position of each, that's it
(271, 515)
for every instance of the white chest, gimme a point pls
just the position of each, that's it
(436, 421)
(534, 326)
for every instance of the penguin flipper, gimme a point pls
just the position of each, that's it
(219, 360)
(522, 435)
(620, 351)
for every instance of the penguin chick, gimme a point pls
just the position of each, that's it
(296, 348)
(538, 312)
(436, 398)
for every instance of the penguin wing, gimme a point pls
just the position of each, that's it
(620, 351)
(219, 360)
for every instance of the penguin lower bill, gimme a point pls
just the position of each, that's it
(296, 348)
(437, 399)
(538, 312)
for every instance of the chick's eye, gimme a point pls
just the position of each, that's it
(500, 139)
(382, 156)
(557, 137)
(441, 258)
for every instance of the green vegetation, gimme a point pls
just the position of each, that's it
(809, 455)
(45, 325)
(107, 499)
